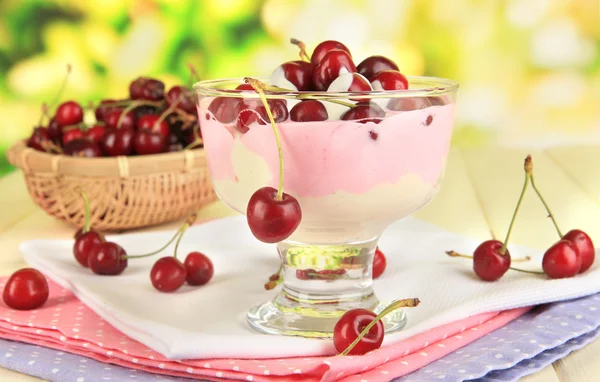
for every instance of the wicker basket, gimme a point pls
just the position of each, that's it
(124, 192)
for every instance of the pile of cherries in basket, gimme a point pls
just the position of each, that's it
(150, 121)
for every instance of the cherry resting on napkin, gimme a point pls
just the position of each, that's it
(26, 289)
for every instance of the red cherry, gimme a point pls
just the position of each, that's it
(270, 220)
(244, 87)
(252, 110)
(118, 142)
(305, 274)
(299, 73)
(584, 246)
(84, 244)
(309, 110)
(82, 148)
(95, 133)
(71, 135)
(488, 262)
(223, 108)
(351, 82)
(199, 268)
(148, 122)
(173, 143)
(168, 274)
(26, 289)
(379, 263)
(414, 103)
(375, 64)
(187, 102)
(112, 119)
(147, 142)
(39, 139)
(54, 131)
(68, 113)
(349, 327)
(103, 109)
(389, 80)
(145, 88)
(335, 63)
(561, 260)
(325, 47)
(363, 111)
(107, 258)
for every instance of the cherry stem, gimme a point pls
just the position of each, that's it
(302, 46)
(177, 235)
(181, 233)
(526, 271)
(456, 254)
(310, 96)
(194, 77)
(44, 114)
(259, 87)
(514, 217)
(406, 303)
(529, 173)
(87, 212)
(130, 107)
(61, 90)
(165, 113)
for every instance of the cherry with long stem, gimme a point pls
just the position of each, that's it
(456, 254)
(302, 46)
(514, 217)
(529, 174)
(133, 105)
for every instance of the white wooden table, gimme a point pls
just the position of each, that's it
(476, 199)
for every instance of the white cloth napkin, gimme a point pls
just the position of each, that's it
(209, 321)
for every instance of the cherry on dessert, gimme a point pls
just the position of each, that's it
(84, 244)
(297, 73)
(309, 110)
(71, 135)
(351, 82)
(149, 122)
(349, 327)
(272, 220)
(39, 139)
(335, 63)
(489, 263)
(107, 258)
(103, 109)
(199, 268)
(364, 110)
(379, 263)
(26, 289)
(54, 131)
(389, 80)
(148, 142)
(68, 113)
(95, 133)
(224, 109)
(584, 246)
(372, 65)
(113, 117)
(118, 142)
(252, 110)
(145, 88)
(325, 47)
(168, 274)
(83, 148)
(186, 99)
(244, 87)
(561, 260)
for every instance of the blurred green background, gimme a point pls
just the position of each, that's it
(529, 69)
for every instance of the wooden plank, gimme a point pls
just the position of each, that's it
(547, 374)
(498, 175)
(581, 164)
(582, 365)
(14, 376)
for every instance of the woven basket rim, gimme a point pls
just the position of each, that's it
(30, 160)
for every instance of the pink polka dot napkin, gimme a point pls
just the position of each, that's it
(65, 323)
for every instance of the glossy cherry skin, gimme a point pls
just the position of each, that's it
(270, 220)
(584, 246)
(145, 88)
(26, 289)
(253, 110)
(103, 109)
(95, 133)
(561, 260)
(335, 63)
(107, 258)
(299, 73)
(375, 64)
(488, 262)
(118, 142)
(351, 82)
(39, 139)
(84, 244)
(149, 122)
(112, 119)
(147, 142)
(71, 135)
(168, 274)
(349, 327)
(309, 110)
(68, 113)
(54, 131)
(364, 111)
(199, 268)
(186, 103)
(389, 80)
(83, 148)
(325, 47)
(223, 108)
(379, 263)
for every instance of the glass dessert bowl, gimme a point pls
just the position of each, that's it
(378, 157)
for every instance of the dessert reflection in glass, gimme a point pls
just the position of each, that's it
(354, 161)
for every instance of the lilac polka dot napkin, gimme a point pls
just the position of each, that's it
(522, 347)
